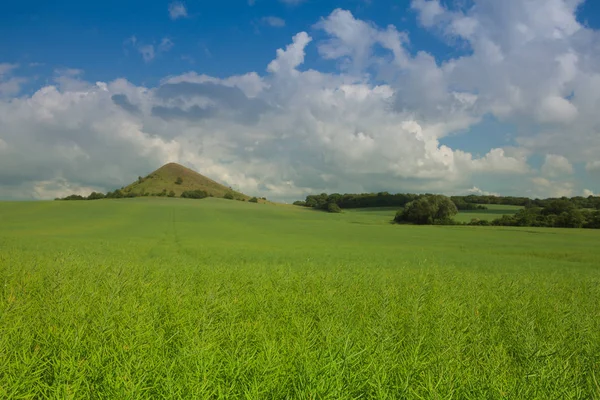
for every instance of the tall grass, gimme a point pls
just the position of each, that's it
(214, 299)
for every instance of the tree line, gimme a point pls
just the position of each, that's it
(428, 209)
(469, 202)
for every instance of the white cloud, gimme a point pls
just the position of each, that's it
(287, 60)
(275, 22)
(593, 166)
(149, 51)
(177, 10)
(555, 166)
(478, 192)
(377, 122)
(9, 85)
(588, 193)
(545, 188)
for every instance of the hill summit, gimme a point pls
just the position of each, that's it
(177, 178)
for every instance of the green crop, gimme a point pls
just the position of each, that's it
(177, 298)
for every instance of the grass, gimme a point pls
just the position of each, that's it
(175, 298)
(166, 178)
(493, 211)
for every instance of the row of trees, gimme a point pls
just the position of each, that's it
(470, 202)
(556, 214)
(188, 194)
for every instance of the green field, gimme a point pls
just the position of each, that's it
(176, 298)
(493, 211)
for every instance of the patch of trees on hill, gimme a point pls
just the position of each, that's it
(556, 214)
(121, 194)
(428, 210)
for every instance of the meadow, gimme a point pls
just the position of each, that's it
(177, 298)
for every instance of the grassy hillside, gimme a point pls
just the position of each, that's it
(166, 178)
(177, 298)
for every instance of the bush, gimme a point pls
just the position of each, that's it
(179, 181)
(228, 196)
(171, 194)
(333, 208)
(194, 194)
(428, 210)
(253, 200)
(74, 197)
(95, 196)
(300, 203)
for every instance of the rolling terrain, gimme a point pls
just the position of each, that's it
(180, 298)
(177, 178)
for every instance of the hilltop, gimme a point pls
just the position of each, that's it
(177, 178)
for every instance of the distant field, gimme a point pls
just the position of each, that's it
(176, 298)
(494, 211)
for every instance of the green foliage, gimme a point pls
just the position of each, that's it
(300, 203)
(179, 180)
(74, 197)
(427, 210)
(140, 179)
(171, 194)
(253, 200)
(333, 208)
(148, 299)
(228, 196)
(95, 196)
(568, 217)
(194, 194)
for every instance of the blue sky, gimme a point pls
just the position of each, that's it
(469, 96)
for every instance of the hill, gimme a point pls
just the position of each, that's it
(177, 178)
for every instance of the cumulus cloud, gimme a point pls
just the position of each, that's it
(593, 166)
(177, 10)
(374, 123)
(555, 165)
(9, 85)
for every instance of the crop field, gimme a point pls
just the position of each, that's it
(177, 298)
(493, 211)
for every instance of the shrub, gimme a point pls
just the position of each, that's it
(171, 194)
(178, 181)
(194, 194)
(427, 210)
(95, 196)
(253, 200)
(228, 196)
(333, 208)
(74, 197)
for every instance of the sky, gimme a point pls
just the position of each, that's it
(284, 98)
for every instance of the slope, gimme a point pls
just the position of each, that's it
(177, 178)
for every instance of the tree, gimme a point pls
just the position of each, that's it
(194, 194)
(178, 181)
(253, 200)
(333, 208)
(557, 207)
(228, 196)
(140, 179)
(429, 209)
(95, 196)
(171, 194)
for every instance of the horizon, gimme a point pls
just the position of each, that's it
(288, 98)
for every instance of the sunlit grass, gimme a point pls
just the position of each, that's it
(178, 298)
